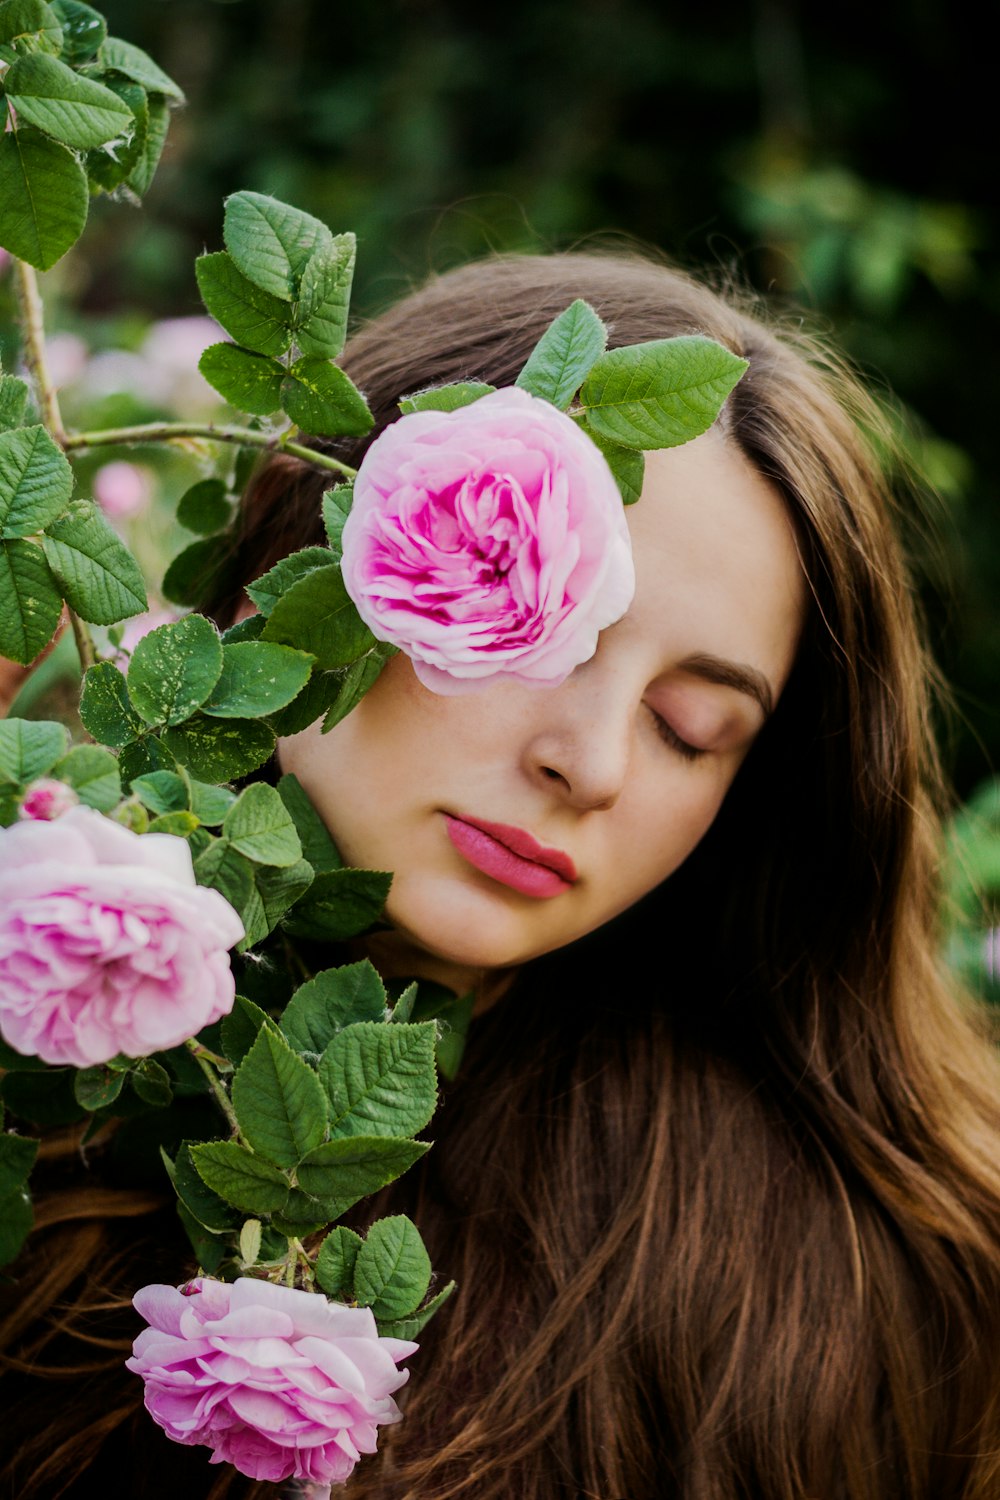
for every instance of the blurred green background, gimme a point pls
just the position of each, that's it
(824, 156)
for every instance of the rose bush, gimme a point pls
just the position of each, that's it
(46, 799)
(107, 944)
(488, 543)
(281, 1383)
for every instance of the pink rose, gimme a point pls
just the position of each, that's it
(283, 1384)
(122, 489)
(488, 543)
(46, 799)
(107, 944)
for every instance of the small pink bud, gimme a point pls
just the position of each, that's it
(46, 799)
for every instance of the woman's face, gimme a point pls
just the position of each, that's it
(517, 818)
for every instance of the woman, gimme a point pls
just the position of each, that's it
(718, 1178)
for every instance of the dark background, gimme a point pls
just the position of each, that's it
(824, 156)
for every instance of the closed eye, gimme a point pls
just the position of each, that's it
(670, 737)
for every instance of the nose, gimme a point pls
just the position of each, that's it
(582, 742)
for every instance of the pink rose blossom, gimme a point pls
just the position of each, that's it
(122, 489)
(281, 1383)
(488, 543)
(107, 944)
(46, 799)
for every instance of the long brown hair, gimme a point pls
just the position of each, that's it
(720, 1183)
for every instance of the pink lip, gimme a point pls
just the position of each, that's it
(512, 856)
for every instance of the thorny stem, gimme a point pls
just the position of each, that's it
(162, 432)
(33, 329)
(201, 1056)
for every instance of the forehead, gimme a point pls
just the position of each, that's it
(717, 565)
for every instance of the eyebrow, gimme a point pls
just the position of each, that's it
(732, 674)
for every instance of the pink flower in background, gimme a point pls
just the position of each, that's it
(107, 944)
(47, 798)
(281, 1383)
(66, 358)
(122, 489)
(488, 543)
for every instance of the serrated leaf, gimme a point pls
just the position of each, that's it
(408, 1328)
(271, 242)
(248, 381)
(106, 708)
(151, 1082)
(628, 465)
(324, 297)
(355, 681)
(318, 615)
(210, 803)
(278, 1101)
(240, 1028)
(331, 1000)
(226, 870)
(266, 590)
(243, 1180)
(96, 1088)
(158, 121)
(564, 355)
(341, 1172)
(93, 775)
(211, 1211)
(335, 1263)
(277, 890)
(204, 508)
(75, 110)
(340, 904)
(174, 669)
(254, 318)
(35, 481)
(140, 757)
(16, 1220)
(317, 845)
(44, 197)
(110, 164)
(100, 578)
(258, 677)
(322, 400)
(445, 397)
(380, 1080)
(124, 57)
(301, 1215)
(403, 1008)
(247, 629)
(30, 748)
(30, 602)
(393, 1270)
(180, 824)
(660, 393)
(162, 791)
(24, 18)
(220, 749)
(336, 508)
(13, 401)
(203, 569)
(260, 827)
(83, 30)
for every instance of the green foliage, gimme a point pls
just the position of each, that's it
(13, 402)
(318, 615)
(321, 1008)
(253, 317)
(72, 109)
(220, 749)
(321, 399)
(340, 904)
(380, 1080)
(204, 507)
(317, 845)
(35, 482)
(30, 749)
(324, 296)
(339, 1173)
(278, 1101)
(272, 243)
(660, 393)
(335, 1263)
(564, 355)
(99, 577)
(266, 590)
(174, 669)
(392, 1269)
(240, 1028)
(336, 508)
(446, 397)
(83, 30)
(260, 827)
(258, 677)
(106, 707)
(240, 1178)
(93, 774)
(249, 381)
(43, 197)
(628, 465)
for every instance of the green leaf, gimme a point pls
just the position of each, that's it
(335, 1263)
(75, 110)
(340, 904)
(17, 1157)
(628, 465)
(258, 677)
(393, 1269)
(324, 401)
(240, 1028)
(24, 18)
(660, 393)
(142, 756)
(340, 1172)
(210, 1251)
(204, 507)
(96, 1088)
(44, 1098)
(100, 578)
(403, 1008)
(355, 682)
(408, 1328)
(266, 590)
(106, 708)
(336, 508)
(318, 615)
(83, 30)
(277, 890)
(93, 775)
(317, 845)
(16, 1220)
(144, 170)
(271, 242)
(260, 827)
(324, 297)
(251, 316)
(247, 629)
(210, 803)
(44, 197)
(35, 481)
(204, 568)
(243, 1180)
(250, 1237)
(30, 603)
(445, 397)
(198, 1198)
(331, 1000)
(30, 748)
(220, 749)
(109, 165)
(278, 1101)
(162, 792)
(380, 1080)
(453, 1014)
(13, 401)
(123, 57)
(564, 355)
(174, 669)
(180, 824)
(226, 870)
(248, 381)
(151, 1082)
(301, 1215)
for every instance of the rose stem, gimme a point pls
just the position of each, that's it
(201, 1056)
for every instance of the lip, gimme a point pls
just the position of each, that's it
(512, 856)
